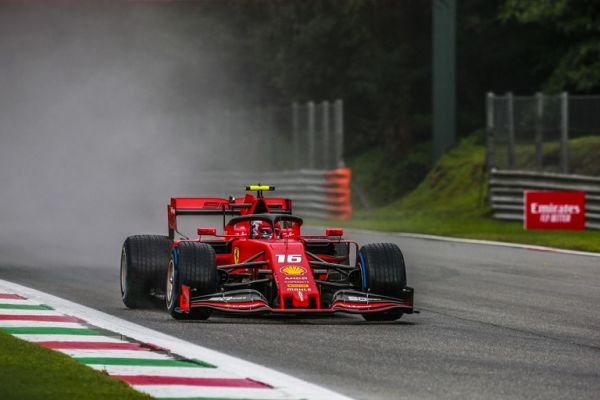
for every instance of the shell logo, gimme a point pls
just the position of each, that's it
(293, 270)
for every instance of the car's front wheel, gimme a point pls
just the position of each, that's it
(192, 264)
(384, 273)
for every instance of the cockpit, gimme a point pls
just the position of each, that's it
(265, 226)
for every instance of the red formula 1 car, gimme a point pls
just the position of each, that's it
(261, 263)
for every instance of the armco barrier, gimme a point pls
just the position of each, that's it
(506, 190)
(314, 193)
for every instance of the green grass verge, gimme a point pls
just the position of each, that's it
(32, 372)
(451, 202)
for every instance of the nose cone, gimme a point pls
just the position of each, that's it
(295, 281)
(298, 288)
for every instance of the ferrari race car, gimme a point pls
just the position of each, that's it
(261, 264)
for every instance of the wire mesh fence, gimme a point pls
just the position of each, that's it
(532, 133)
(301, 136)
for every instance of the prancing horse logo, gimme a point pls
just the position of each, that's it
(236, 255)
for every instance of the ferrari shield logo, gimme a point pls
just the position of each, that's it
(236, 255)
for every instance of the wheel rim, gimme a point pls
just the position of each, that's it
(123, 272)
(363, 271)
(170, 283)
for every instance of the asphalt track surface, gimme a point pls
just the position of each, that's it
(495, 322)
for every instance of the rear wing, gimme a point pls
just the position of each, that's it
(219, 206)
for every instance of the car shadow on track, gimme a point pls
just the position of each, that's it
(294, 320)
(160, 316)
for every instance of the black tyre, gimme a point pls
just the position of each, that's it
(384, 273)
(195, 265)
(144, 262)
(391, 315)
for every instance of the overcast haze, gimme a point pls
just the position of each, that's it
(99, 117)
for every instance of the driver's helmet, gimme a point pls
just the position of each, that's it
(261, 229)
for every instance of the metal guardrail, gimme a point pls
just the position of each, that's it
(314, 193)
(533, 132)
(506, 190)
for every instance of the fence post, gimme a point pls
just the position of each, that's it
(271, 137)
(326, 135)
(295, 136)
(491, 151)
(511, 130)
(564, 133)
(311, 134)
(539, 131)
(338, 120)
(261, 132)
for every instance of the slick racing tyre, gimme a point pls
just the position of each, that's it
(144, 261)
(384, 273)
(192, 264)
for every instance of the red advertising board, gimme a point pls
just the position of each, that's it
(555, 210)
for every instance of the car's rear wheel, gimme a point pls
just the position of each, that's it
(384, 273)
(192, 264)
(144, 261)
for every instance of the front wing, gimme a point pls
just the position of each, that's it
(250, 301)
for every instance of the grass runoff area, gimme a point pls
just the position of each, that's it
(451, 201)
(32, 372)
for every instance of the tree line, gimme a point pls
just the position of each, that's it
(377, 54)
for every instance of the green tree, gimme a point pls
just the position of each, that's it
(373, 54)
(497, 55)
(577, 23)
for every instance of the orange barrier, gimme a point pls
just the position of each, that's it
(337, 193)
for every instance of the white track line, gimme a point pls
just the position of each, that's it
(181, 391)
(10, 311)
(67, 338)
(41, 324)
(199, 372)
(294, 387)
(476, 241)
(19, 301)
(146, 355)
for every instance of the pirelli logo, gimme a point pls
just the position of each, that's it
(297, 285)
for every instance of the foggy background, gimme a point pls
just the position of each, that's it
(101, 122)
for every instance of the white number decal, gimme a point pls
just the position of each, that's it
(291, 258)
(294, 258)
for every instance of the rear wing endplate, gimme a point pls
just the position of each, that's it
(196, 206)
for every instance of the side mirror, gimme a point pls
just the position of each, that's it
(334, 232)
(207, 231)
